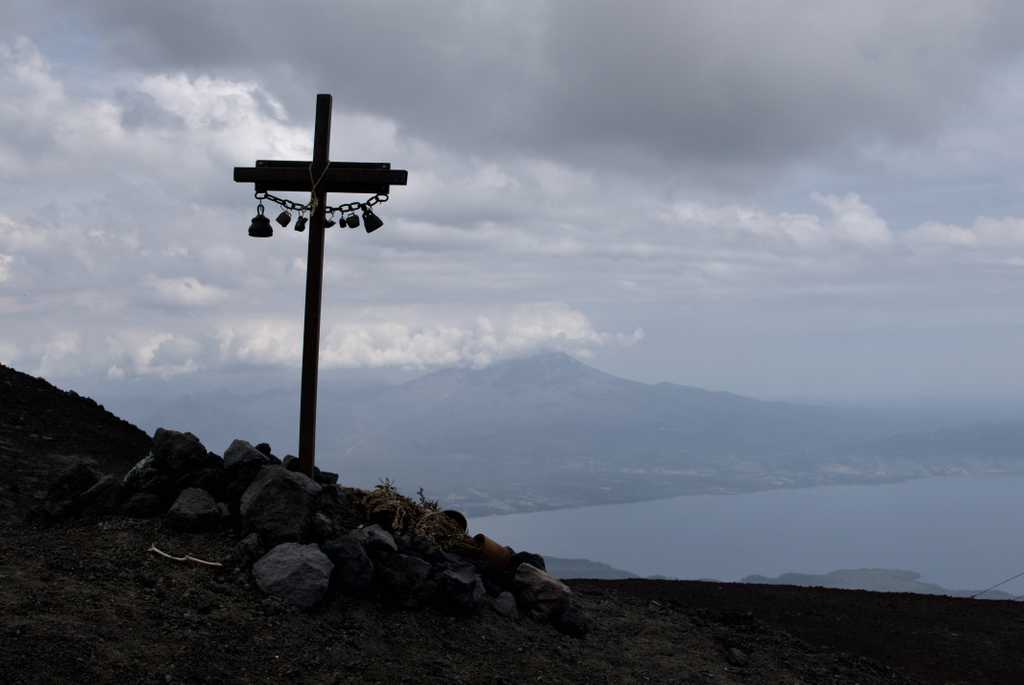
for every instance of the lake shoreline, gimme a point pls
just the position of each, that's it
(951, 528)
(488, 512)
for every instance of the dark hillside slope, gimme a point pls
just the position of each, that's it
(43, 428)
(84, 601)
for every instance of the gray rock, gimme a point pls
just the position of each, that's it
(241, 464)
(131, 478)
(573, 621)
(278, 504)
(495, 585)
(63, 495)
(246, 552)
(143, 505)
(353, 570)
(145, 476)
(299, 574)
(291, 462)
(340, 511)
(737, 657)
(424, 547)
(212, 479)
(177, 452)
(463, 589)
(323, 527)
(325, 477)
(195, 510)
(72, 481)
(240, 453)
(375, 538)
(447, 559)
(539, 593)
(505, 605)
(102, 498)
(407, 578)
(535, 560)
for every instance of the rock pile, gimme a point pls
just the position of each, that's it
(311, 541)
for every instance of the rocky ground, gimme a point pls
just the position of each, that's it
(83, 599)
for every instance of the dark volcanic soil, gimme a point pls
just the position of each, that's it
(85, 602)
(42, 430)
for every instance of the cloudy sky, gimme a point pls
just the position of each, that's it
(782, 198)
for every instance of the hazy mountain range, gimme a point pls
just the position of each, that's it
(550, 431)
(873, 579)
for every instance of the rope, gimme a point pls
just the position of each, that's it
(188, 557)
(313, 184)
(975, 595)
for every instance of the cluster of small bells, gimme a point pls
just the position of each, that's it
(261, 228)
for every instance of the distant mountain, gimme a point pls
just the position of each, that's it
(549, 431)
(991, 443)
(584, 568)
(874, 579)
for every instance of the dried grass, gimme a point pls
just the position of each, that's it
(423, 518)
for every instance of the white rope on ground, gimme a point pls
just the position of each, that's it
(186, 558)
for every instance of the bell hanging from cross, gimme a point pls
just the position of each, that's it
(300, 223)
(260, 226)
(370, 220)
(284, 218)
(352, 221)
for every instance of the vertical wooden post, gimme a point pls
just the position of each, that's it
(314, 289)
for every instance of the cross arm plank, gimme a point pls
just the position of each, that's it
(340, 177)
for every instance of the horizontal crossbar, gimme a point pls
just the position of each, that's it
(341, 177)
(289, 164)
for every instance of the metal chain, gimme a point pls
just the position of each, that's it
(342, 208)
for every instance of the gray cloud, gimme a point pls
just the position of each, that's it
(786, 199)
(725, 84)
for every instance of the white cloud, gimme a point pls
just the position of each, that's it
(139, 265)
(852, 220)
(165, 355)
(849, 220)
(984, 232)
(187, 291)
(230, 118)
(60, 354)
(17, 237)
(8, 353)
(420, 339)
(934, 233)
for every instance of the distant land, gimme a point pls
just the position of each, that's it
(550, 432)
(870, 579)
(874, 579)
(584, 568)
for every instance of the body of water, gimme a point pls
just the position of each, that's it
(962, 533)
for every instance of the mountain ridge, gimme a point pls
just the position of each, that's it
(550, 431)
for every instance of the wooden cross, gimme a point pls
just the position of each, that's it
(335, 177)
